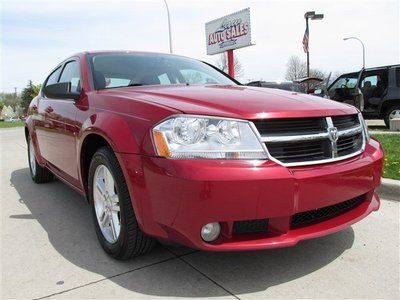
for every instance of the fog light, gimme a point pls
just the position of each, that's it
(210, 231)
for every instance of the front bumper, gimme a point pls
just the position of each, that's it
(173, 199)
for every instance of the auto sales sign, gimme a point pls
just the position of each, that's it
(230, 32)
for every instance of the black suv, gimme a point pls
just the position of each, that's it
(374, 91)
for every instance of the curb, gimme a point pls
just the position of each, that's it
(389, 189)
(372, 132)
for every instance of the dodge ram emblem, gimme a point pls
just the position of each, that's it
(333, 134)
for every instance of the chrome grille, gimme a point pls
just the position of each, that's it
(303, 141)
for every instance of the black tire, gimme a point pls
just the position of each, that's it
(38, 174)
(132, 241)
(388, 112)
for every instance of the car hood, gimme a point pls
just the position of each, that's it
(234, 101)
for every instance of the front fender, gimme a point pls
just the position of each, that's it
(117, 130)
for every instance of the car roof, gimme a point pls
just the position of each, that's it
(372, 69)
(95, 52)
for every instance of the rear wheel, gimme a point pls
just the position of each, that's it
(39, 174)
(115, 222)
(393, 112)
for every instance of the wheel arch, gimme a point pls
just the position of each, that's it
(104, 129)
(386, 105)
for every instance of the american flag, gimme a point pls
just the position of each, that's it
(305, 40)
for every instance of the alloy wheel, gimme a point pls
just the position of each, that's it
(106, 204)
(394, 114)
(32, 158)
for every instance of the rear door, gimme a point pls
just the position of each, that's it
(60, 116)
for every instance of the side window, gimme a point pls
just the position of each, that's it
(70, 73)
(53, 77)
(369, 81)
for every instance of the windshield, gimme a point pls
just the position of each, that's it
(128, 69)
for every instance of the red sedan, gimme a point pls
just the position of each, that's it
(170, 148)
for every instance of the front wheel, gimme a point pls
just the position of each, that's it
(392, 113)
(39, 174)
(115, 222)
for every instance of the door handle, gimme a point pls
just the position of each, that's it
(49, 109)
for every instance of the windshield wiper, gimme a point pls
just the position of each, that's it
(135, 84)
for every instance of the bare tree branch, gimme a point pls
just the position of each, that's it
(222, 63)
(296, 69)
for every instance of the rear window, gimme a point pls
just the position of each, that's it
(398, 76)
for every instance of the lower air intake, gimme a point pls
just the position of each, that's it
(250, 226)
(324, 213)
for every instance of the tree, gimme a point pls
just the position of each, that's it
(7, 112)
(28, 93)
(296, 69)
(9, 99)
(222, 64)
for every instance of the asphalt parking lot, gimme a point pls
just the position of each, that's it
(49, 249)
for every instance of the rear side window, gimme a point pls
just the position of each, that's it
(398, 76)
(53, 78)
(70, 73)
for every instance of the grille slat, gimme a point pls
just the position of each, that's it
(347, 145)
(342, 122)
(305, 155)
(324, 213)
(304, 151)
(309, 145)
(290, 126)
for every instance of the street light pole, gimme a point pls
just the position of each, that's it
(362, 44)
(313, 16)
(169, 27)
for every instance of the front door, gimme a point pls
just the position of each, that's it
(60, 120)
(346, 89)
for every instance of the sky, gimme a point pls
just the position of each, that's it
(37, 34)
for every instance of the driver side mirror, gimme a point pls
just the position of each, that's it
(61, 90)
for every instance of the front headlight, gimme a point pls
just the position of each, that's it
(206, 137)
(365, 127)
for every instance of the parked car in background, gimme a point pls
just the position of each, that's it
(374, 91)
(310, 84)
(285, 85)
(304, 85)
(170, 148)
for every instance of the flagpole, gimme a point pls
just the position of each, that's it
(308, 52)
